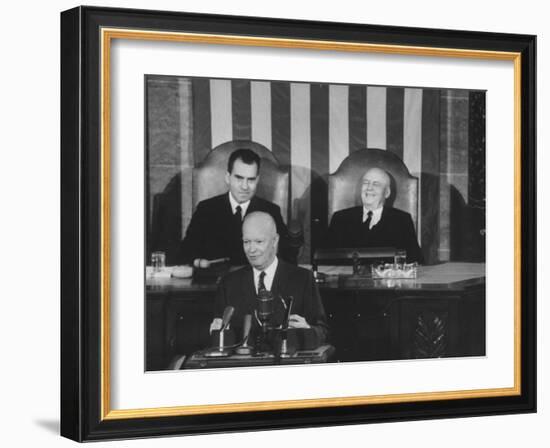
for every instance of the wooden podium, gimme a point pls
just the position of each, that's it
(201, 360)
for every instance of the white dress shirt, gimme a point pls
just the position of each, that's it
(376, 215)
(269, 275)
(234, 204)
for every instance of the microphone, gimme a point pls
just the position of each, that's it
(288, 310)
(265, 308)
(263, 314)
(247, 324)
(221, 350)
(245, 349)
(227, 315)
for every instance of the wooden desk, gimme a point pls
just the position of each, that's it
(441, 313)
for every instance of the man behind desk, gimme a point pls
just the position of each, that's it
(215, 228)
(375, 224)
(240, 288)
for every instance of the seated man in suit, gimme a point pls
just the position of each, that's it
(215, 230)
(375, 224)
(268, 272)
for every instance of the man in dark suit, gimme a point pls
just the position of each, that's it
(268, 272)
(374, 224)
(215, 230)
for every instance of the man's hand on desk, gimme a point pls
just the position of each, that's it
(297, 321)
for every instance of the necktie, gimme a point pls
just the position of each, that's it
(366, 224)
(261, 284)
(238, 215)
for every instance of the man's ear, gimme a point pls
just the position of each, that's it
(387, 193)
(227, 176)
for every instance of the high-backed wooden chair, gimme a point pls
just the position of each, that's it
(344, 184)
(209, 175)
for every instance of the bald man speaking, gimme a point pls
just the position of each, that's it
(375, 224)
(266, 271)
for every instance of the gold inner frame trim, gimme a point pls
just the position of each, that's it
(107, 35)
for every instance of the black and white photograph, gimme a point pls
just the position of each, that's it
(281, 224)
(292, 222)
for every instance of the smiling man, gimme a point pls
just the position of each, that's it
(268, 272)
(374, 224)
(215, 230)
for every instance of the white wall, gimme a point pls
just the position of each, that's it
(29, 108)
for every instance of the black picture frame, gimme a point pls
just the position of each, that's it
(84, 402)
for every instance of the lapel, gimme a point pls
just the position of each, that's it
(278, 285)
(227, 205)
(359, 214)
(383, 218)
(279, 290)
(249, 290)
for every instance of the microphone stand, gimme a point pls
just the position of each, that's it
(221, 350)
(245, 349)
(284, 352)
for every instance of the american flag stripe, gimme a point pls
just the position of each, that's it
(300, 140)
(300, 157)
(394, 120)
(221, 111)
(376, 117)
(260, 105)
(202, 132)
(357, 117)
(338, 125)
(412, 139)
(281, 122)
(241, 109)
(319, 160)
(430, 169)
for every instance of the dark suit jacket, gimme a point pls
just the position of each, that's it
(395, 229)
(214, 233)
(237, 289)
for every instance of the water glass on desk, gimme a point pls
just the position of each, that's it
(399, 259)
(158, 261)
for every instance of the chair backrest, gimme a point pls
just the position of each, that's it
(209, 175)
(344, 184)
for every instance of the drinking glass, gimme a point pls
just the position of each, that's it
(399, 259)
(158, 260)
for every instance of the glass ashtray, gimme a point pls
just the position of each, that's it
(391, 270)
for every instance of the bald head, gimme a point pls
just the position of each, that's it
(260, 239)
(375, 188)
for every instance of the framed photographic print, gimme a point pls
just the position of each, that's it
(273, 224)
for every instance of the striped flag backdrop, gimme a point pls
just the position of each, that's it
(312, 128)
